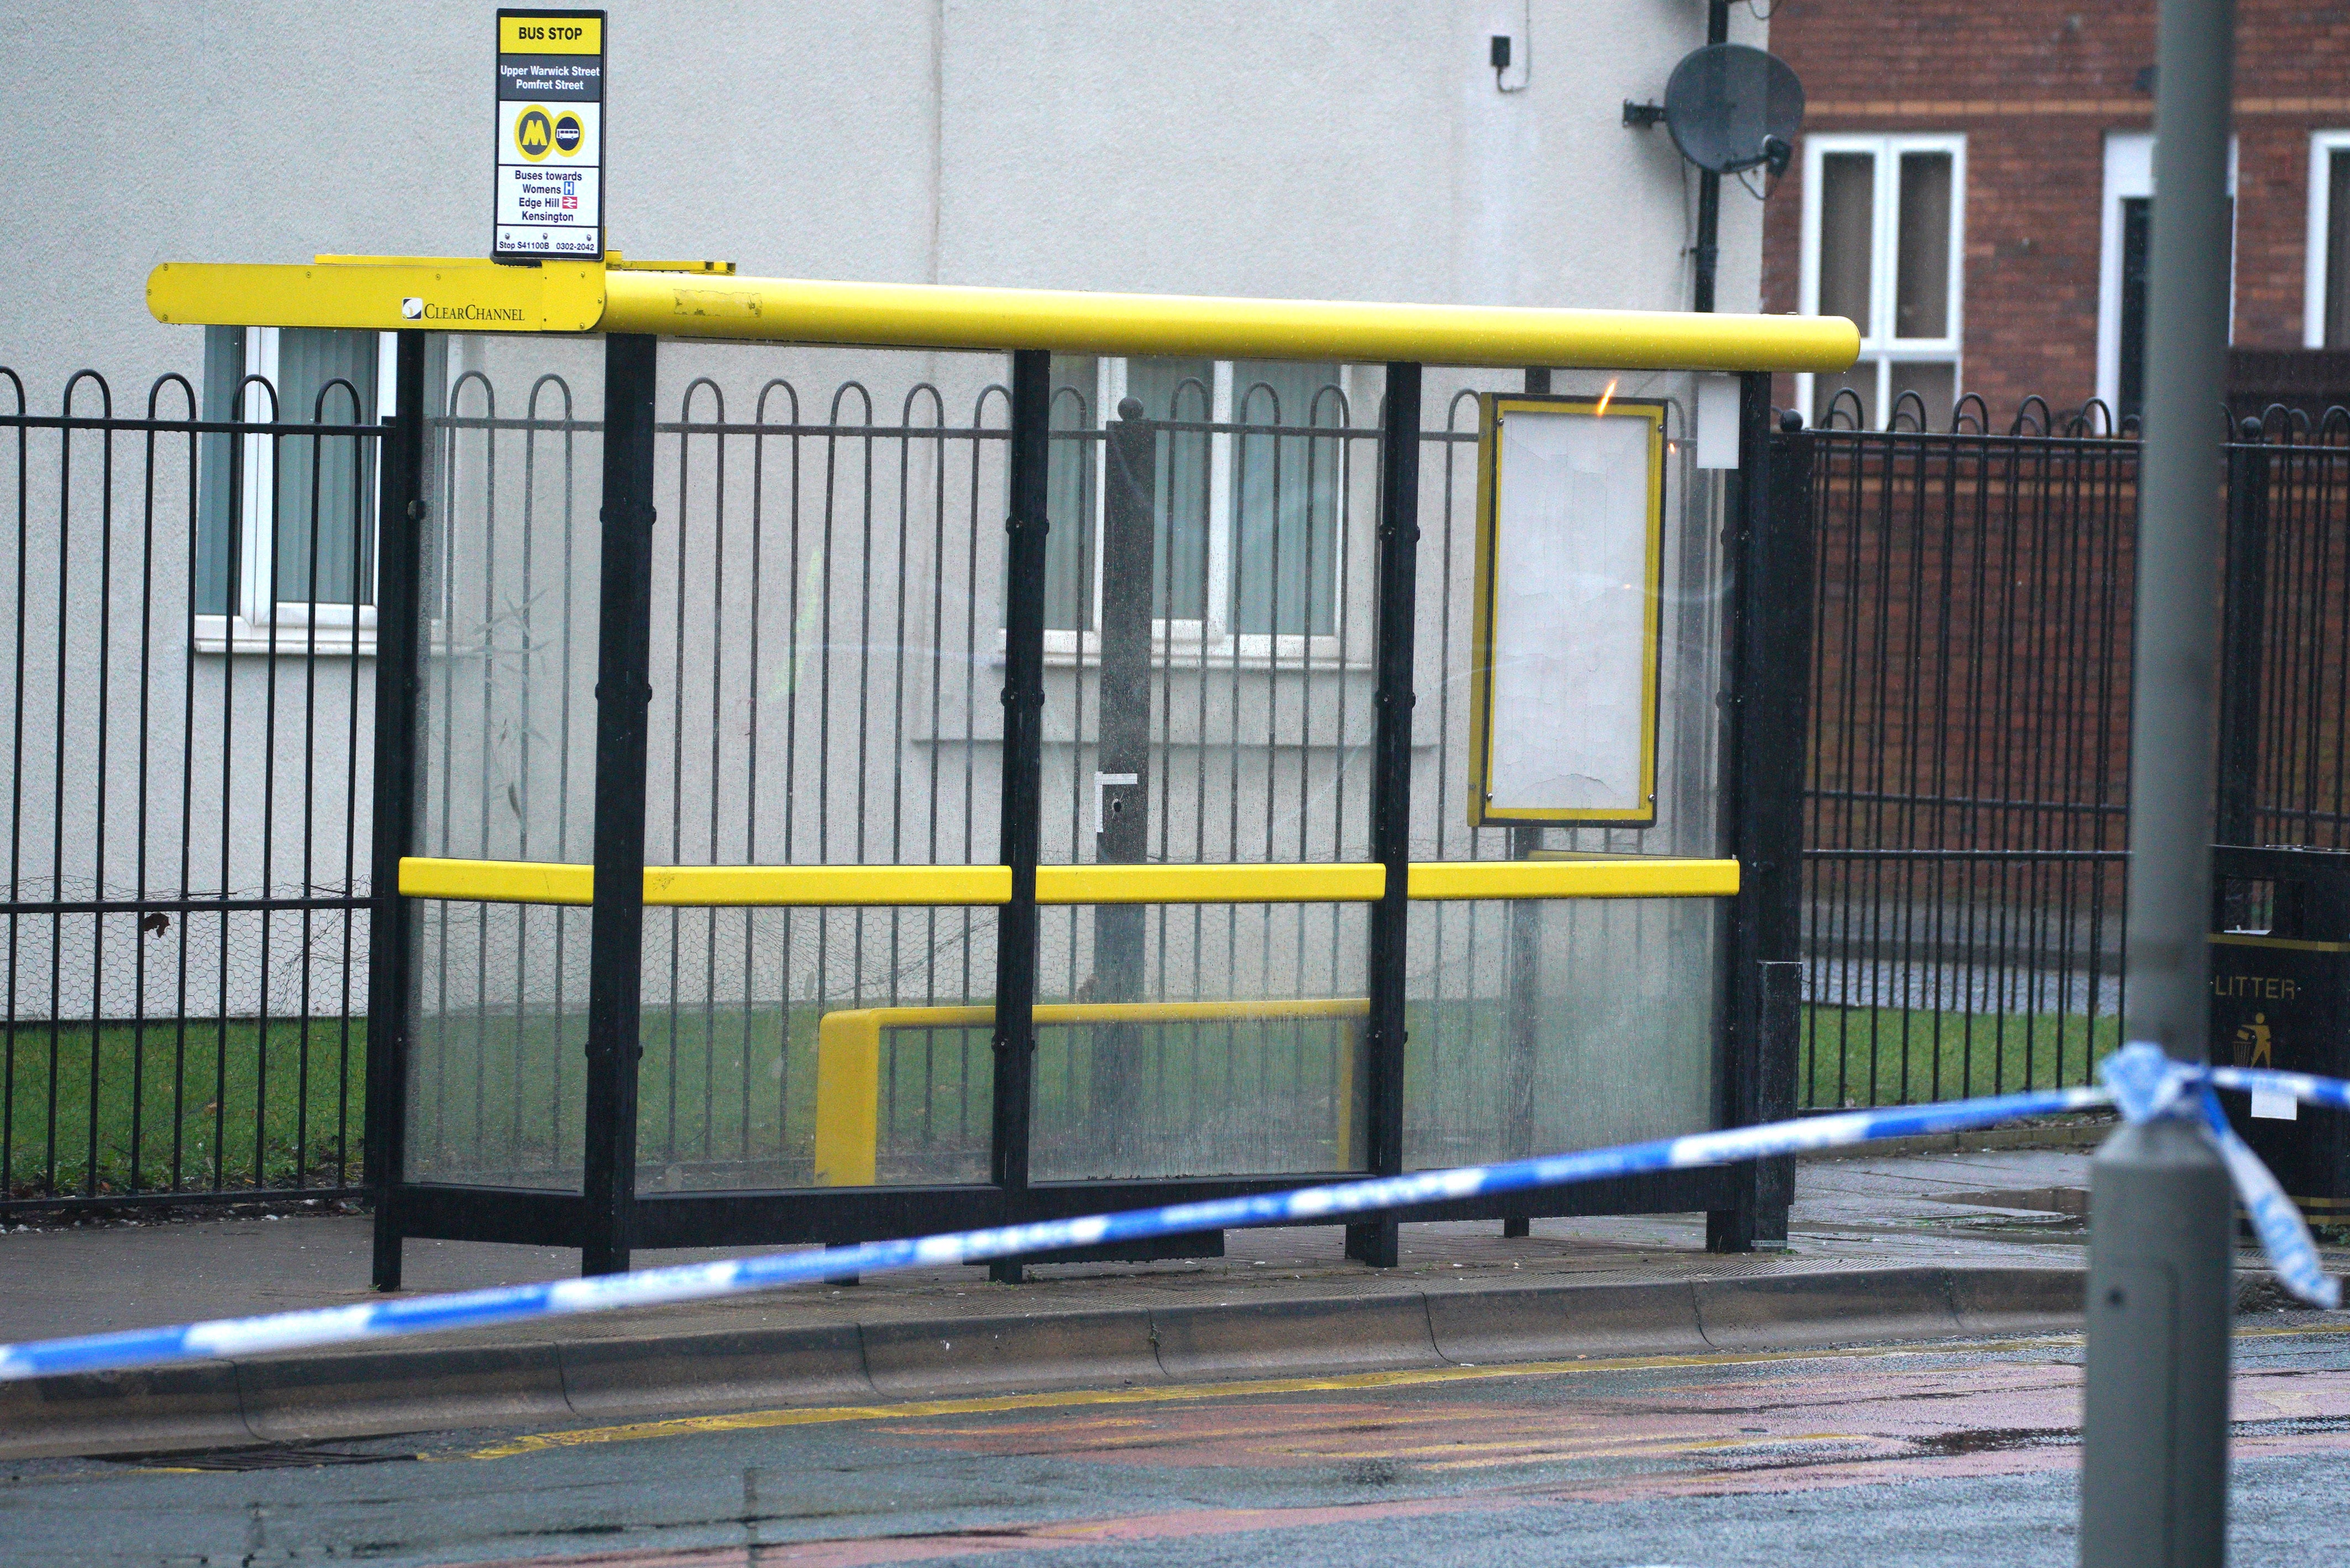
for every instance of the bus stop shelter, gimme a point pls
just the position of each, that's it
(1133, 1017)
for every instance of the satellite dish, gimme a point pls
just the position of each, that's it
(1732, 107)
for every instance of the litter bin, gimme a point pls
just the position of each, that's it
(2280, 983)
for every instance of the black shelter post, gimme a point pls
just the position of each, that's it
(1398, 533)
(1769, 660)
(400, 540)
(1023, 718)
(623, 697)
(1787, 589)
(1525, 962)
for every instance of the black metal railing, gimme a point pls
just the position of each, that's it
(2285, 724)
(188, 620)
(187, 703)
(1967, 811)
(1966, 815)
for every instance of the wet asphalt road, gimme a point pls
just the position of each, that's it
(1959, 1453)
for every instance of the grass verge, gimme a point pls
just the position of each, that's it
(1854, 1056)
(191, 1105)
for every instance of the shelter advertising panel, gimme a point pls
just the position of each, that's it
(1570, 546)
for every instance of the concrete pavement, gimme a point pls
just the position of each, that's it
(1953, 1453)
(1882, 1248)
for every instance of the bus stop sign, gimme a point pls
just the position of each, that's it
(550, 135)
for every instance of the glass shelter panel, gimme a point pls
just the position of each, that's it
(826, 667)
(1203, 1040)
(506, 759)
(1216, 710)
(828, 602)
(1542, 1025)
(815, 1047)
(1536, 1025)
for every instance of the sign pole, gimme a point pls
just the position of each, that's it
(2154, 1429)
(1121, 792)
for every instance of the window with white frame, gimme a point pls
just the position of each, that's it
(1251, 509)
(286, 522)
(2325, 297)
(2126, 270)
(1883, 232)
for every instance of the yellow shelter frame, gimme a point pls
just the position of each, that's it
(706, 299)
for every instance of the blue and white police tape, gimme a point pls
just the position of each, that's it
(2156, 1088)
(2146, 1083)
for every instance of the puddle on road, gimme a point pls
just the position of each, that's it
(265, 1457)
(1995, 1439)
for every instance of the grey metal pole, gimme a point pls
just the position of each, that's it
(2154, 1465)
(1121, 792)
(1524, 980)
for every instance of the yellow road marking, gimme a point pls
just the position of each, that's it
(1768, 1442)
(1175, 1437)
(756, 1420)
(2283, 1332)
(753, 1421)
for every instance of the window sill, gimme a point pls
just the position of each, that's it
(235, 635)
(1181, 655)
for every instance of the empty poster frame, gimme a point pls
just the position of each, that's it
(1564, 677)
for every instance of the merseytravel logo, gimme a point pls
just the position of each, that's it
(534, 133)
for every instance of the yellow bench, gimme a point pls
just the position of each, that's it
(849, 1063)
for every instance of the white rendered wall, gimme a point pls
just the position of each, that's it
(1324, 148)
(1355, 149)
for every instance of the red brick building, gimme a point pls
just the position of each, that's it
(1973, 182)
